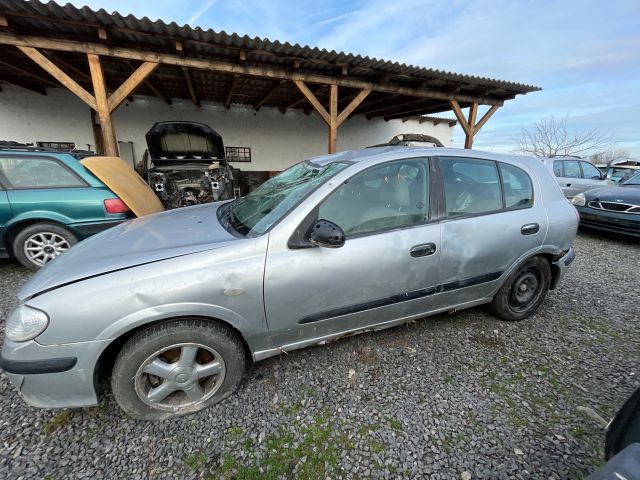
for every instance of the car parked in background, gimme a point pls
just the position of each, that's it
(619, 170)
(48, 202)
(334, 245)
(614, 209)
(575, 176)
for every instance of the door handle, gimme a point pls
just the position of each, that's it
(530, 229)
(423, 250)
(568, 184)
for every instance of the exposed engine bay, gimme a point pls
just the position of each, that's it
(191, 184)
(185, 165)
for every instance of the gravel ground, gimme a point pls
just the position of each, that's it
(452, 397)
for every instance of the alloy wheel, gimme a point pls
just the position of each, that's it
(42, 247)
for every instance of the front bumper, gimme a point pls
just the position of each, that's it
(625, 223)
(53, 376)
(561, 265)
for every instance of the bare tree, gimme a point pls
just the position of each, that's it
(610, 155)
(550, 138)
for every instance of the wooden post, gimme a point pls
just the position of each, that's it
(102, 104)
(333, 115)
(332, 118)
(470, 127)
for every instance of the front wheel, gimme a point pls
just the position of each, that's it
(524, 290)
(176, 368)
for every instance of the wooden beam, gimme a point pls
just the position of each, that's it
(24, 71)
(179, 47)
(3, 21)
(130, 84)
(102, 107)
(59, 75)
(471, 122)
(486, 117)
(241, 69)
(352, 106)
(457, 111)
(102, 33)
(313, 101)
(229, 93)
(268, 95)
(333, 121)
(150, 85)
(192, 91)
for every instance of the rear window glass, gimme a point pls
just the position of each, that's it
(557, 168)
(518, 190)
(572, 169)
(471, 186)
(38, 173)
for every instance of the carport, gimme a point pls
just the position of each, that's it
(104, 58)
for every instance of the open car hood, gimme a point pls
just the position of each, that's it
(149, 239)
(176, 142)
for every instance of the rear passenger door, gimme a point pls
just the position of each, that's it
(491, 219)
(569, 177)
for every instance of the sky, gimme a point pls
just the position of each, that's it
(585, 55)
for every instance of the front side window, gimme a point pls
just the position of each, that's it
(471, 186)
(518, 189)
(384, 197)
(590, 171)
(572, 169)
(38, 173)
(254, 214)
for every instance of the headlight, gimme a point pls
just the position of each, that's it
(25, 323)
(579, 200)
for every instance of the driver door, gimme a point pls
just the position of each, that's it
(386, 270)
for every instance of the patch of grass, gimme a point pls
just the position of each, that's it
(448, 380)
(394, 423)
(578, 431)
(56, 422)
(196, 461)
(316, 444)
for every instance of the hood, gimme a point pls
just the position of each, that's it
(144, 240)
(623, 194)
(176, 142)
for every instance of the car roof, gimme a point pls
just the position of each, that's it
(391, 152)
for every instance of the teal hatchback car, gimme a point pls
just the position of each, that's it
(49, 202)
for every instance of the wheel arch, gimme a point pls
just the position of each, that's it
(106, 360)
(19, 224)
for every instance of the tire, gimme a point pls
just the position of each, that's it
(513, 302)
(173, 389)
(56, 240)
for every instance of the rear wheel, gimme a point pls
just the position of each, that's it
(36, 245)
(176, 368)
(524, 290)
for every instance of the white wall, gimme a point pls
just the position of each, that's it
(276, 140)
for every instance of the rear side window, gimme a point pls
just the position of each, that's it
(590, 171)
(572, 169)
(557, 168)
(38, 173)
(518, 190)
(471, 186)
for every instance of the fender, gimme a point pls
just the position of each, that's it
(164, 312)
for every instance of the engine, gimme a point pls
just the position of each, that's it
(192, 184)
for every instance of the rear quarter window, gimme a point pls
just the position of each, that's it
(517, 185)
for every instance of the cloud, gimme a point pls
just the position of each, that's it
(194, 18)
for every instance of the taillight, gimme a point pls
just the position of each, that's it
(115, 205)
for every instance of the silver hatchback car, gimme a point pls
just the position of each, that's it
(576, 176)
(171, 306)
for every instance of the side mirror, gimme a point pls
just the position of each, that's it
(326, 234)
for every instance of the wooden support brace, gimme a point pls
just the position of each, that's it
(486, 117)
(229, 94)
(102, 106)
(313, 100)
(130, 84)
(3, 21)
(102, 33)
(471, 123)
(457, 111)
(59, 75)
(268, 95)
(348, 110)
(192, 91)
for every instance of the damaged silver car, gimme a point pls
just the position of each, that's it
(171, 306)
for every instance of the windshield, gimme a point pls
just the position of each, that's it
(635, 180)
(257, 212)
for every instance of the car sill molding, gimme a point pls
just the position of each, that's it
(399, 298)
